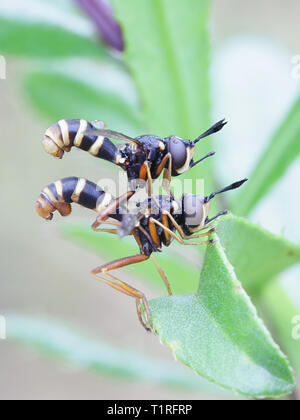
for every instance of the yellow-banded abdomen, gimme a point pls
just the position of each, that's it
(65, 134)
(60, 194)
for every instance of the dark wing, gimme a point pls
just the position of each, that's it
(112, 135)
(131, 219)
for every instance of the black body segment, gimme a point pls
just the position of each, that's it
(78, 190)
(140, 157)
(68, 188)
(68, 133)
(60, 194)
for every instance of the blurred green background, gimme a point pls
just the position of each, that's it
(45, 275)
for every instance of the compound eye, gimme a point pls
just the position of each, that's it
(193, 209)
(178, 151)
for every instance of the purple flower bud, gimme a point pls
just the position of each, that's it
(101, 13)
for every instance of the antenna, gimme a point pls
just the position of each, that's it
(230, 187)
(213, 129)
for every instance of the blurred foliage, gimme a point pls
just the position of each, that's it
(85, 352)
(83, 96)
(46, 29)
(281, 311)
(172, 71)
(282, 150)
(102, 14)
(215, 331)
(167, 49)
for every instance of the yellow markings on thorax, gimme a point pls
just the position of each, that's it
(80, 133)
(120, 160)
(78, 190)
(103, 202)
(64, 128)
(161, 146)
(95, 148)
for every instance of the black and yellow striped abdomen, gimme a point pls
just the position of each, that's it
(60, 194)
(65, 134)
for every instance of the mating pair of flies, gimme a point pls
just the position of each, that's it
(155, 222)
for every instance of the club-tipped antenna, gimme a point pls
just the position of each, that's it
(230, 187)
(200, 160)
(213, 129)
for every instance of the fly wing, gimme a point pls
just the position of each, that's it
(128, 223)
(112, 135)
(132, 217)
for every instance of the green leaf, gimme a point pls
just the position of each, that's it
(284, 316)
(256, 254)
(282, 150)
(43, 28)
(217, 333)
(182, 274)
(167, 50)
(79, 89)
(84, 351)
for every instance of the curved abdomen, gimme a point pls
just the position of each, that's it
(65, 134)
(60, 194)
